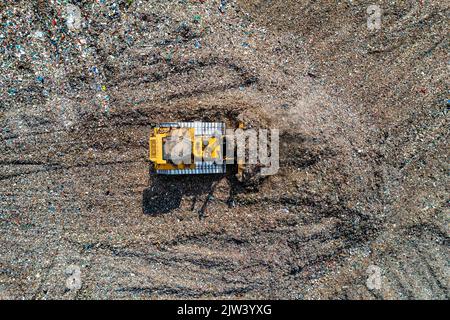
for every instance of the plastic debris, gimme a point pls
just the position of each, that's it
(197, 18)
(223, 4)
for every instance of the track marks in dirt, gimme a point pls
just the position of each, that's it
(163, 82)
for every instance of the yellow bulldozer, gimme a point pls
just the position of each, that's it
(184, 148)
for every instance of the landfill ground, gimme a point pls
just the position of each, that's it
(363, 180)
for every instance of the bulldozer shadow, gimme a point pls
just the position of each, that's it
(166, 192)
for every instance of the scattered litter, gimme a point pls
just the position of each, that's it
(223, 4)
(51, 208)
(38, 34)
(197, 18)
(94, 70)
(73, 18)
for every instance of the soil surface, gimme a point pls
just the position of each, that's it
(363, 116)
